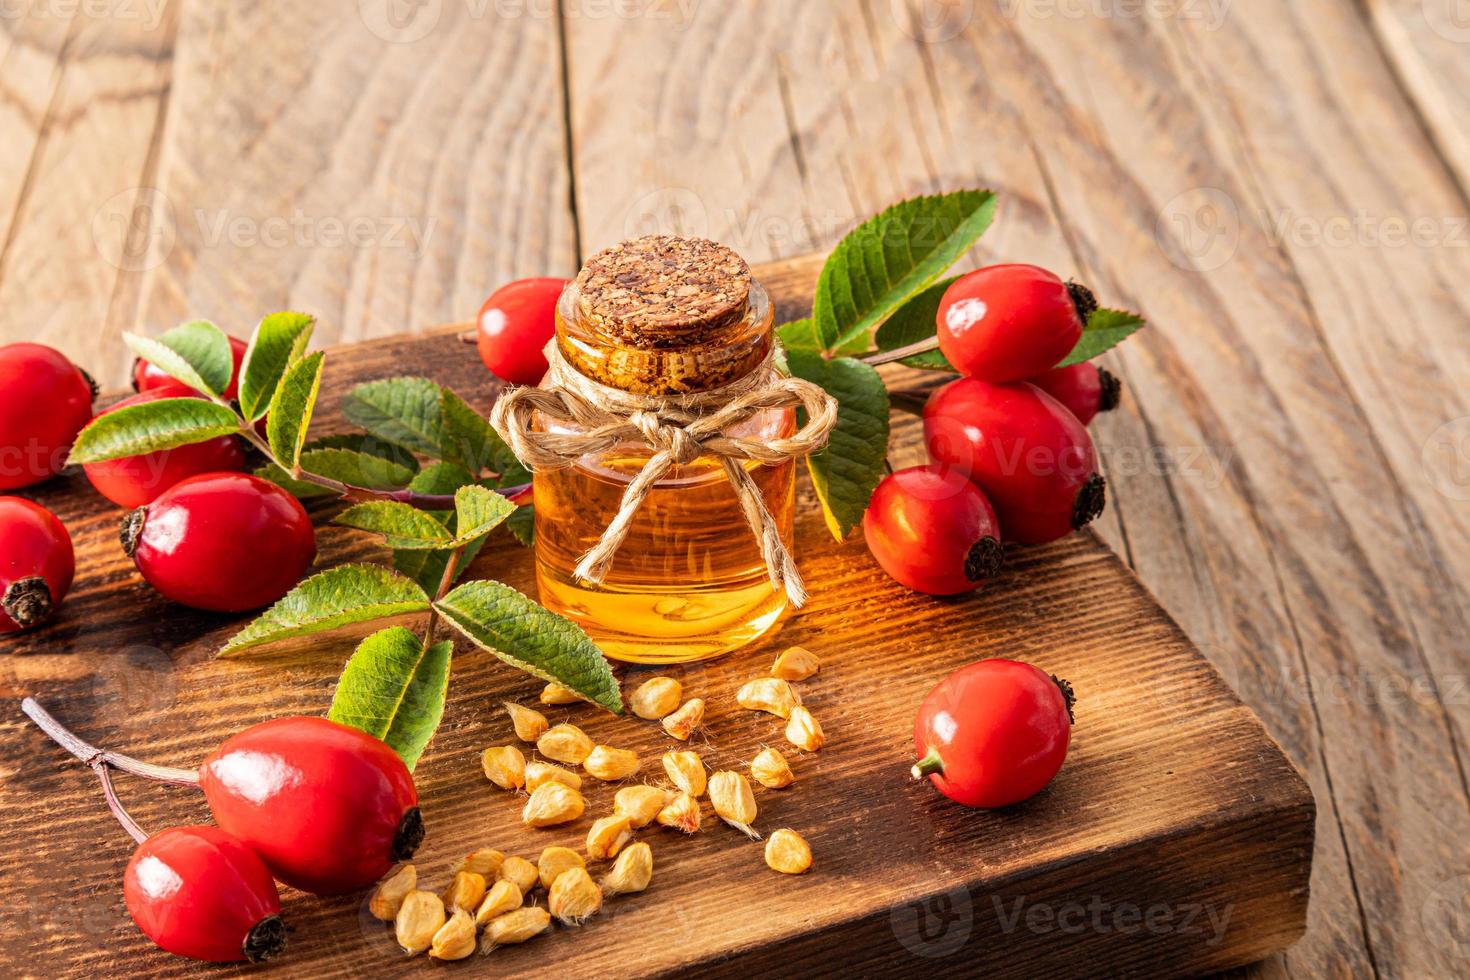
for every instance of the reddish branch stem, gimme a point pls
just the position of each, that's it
(95, 757)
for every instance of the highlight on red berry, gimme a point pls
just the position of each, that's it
(1031, 457)
(1084, 388)
(36, 564)
(933, 531)
(515, 325)
(993, 733)
(133, 481)
(227, 542)
(45, 400)
(1010, 322)
(147, 377)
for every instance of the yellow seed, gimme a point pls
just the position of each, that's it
(608, 835)
(465, 891)
(686, 771)
(391, 892)
(734, 801)
(788, 852)
(574, 897)
(565, 743)
(485, 862)
(681, 814)
(682, 723)
(768, 694)
(556, 694)
(656, 697)
(528, 722)
(419, 917)
(520, 872)
(503, 897)
(551, 804)
(514, 927)
(544, 772)
(555, 860)
(640, 804)
(504, 766)
(771, 770)
(803, 731)
(610, 764)
(455, 939)
(795, 664)
(631, 872)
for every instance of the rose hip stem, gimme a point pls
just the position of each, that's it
(102, 759)
(899, 353)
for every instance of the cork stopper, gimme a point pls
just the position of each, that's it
(662, 291)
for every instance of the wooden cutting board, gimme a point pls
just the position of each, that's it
(1177, 839)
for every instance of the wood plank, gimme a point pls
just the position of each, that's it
(1174, 798)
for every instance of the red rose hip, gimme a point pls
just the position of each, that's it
(199, 892)
(514, 327)
(1010, 322)
(45, 400)
(221, 541)
(136, 480)
(1085, 389)
(36, 564)
(993, 733)
(329, 808)
(933, 531)
(1032, 458)
(147, 377)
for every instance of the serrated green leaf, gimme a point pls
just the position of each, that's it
(394, 688)
(441, 478)
(845, 473)
(477, 512)
(356, 469)
(402, 526)
(331, 599)
(525, 635)
(404, 411)
(196, 353)
(522, 524)
(1105, 330)
(915, 321)
(468, 437)
(292, 406)
(279, 340)
(360, 442)
(799, 335)
(889, 258)
(151, 426)
(427, 567)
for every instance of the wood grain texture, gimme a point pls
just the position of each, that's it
(1178, 837)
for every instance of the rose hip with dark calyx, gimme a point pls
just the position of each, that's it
(1085, 389)
(45, 400)
(514, 327)
(199, 892)
(221, 541)
(1030, 455)
(1010, 322)
(36, 564)
(147, 377)
(136, 480)
(329, 808)
(933, 531)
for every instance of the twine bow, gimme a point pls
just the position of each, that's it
(678, 429)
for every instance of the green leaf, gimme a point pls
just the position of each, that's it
(845, 473)
(357, 469)
(522, 524)
(401, 525)
(394, 688)
(427, 567)
(404, 411)
(889, 258)
(1105, 330)
(279, 340)
(477, 512)
(468, 437)
(291, 408)
(915, 321)
(525, 635)
(336, 597)
(799, 335)
(359, 442)
(196, 353)
(151, 426)
(441, 478)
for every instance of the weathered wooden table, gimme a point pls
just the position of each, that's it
(1279, 188)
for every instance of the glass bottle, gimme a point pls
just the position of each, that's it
(664, 315)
